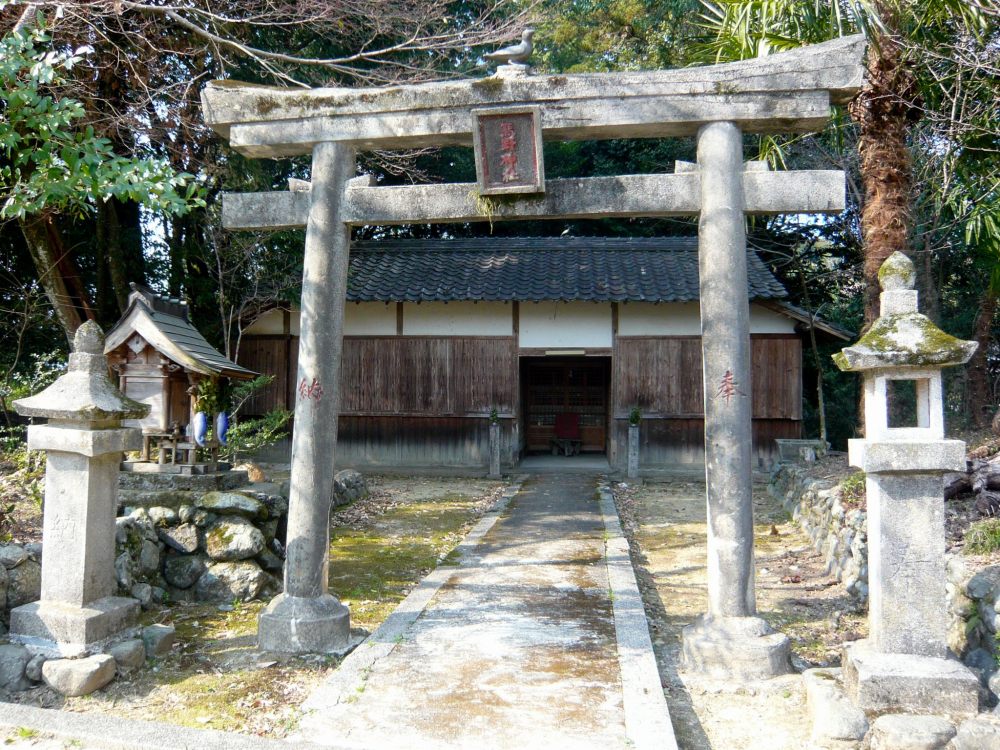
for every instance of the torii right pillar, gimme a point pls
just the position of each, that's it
(903, 665)
(729, 641)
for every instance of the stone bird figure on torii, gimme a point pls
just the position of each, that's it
(515, 54)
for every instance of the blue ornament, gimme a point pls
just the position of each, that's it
(200, 427)
(221, 426)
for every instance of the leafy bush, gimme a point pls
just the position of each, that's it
(852, 490)
(983, 537)
(248, 436)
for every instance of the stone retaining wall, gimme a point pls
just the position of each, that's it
(841, 535)
(223, 547)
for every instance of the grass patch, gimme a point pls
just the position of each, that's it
(374, 568)
(852, 491)
(983, 537)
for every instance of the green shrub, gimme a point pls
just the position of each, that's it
(983, 537)
(852, 490)
(247, 436)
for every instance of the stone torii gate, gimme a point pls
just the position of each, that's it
(783, 93)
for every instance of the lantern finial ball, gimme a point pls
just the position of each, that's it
(896, 273)
(88, 339)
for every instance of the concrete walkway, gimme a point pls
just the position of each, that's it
(519, 645)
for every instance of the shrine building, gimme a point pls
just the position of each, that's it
(440, 334)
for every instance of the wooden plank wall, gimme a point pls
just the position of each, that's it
(663, 377)
(411, 394)
(417, 441)
(392, 375)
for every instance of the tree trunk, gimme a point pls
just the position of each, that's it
(981, 405)
(884, 110)
(56, 272)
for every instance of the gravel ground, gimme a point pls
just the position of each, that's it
(665, 523)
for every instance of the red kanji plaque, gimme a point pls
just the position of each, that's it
(508, 145)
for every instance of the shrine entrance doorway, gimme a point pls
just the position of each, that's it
(565, 399)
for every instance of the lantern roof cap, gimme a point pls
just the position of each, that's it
(84, 393)
(903, 338)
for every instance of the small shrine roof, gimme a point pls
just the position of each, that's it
(164, 323)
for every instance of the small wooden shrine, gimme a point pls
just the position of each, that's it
(163, 361)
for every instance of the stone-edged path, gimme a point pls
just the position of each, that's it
(515, 646)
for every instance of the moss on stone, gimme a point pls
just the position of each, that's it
(904, 340)
(897, 272)
(492, 85)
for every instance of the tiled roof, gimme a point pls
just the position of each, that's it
(164, 323)
(599, 269)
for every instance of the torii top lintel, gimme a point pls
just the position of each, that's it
(784, 92)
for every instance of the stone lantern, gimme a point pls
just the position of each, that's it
(903, 665)
(83, 440)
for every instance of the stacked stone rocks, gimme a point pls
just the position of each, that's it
(20, 578)
(839, 533)
(225, 546)
(973, 594)
(974, 607)
(20, 669)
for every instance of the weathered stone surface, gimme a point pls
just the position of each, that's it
(233, 504)
(835, 720)
(24, 584)
(11, 555)
(985, 583)
(233, 538)
(184, 486)
(13, 663)
(738, 648)
(4, 584)
(125, 571)
(348, 485)
(33, 671)
(129, 655)
(158, 639)
(270, 561)
(162, 516)
(74, 677)
(324, 288)
(143, 592)
(908, 732)
(589, 106)
(293, 624)
(183, 538)
(243, 580)
(887, 683)
(982, 733)
(183, 571)
(149, 558)
(185, 513)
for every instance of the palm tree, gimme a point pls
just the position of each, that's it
(890, 102)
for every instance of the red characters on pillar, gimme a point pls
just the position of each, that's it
(312, 390)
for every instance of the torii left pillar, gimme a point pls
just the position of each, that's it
(306, 617)
(729, 641)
